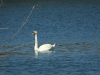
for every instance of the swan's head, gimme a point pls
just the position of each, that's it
(34, 32)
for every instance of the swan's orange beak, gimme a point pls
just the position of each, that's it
(33, 33)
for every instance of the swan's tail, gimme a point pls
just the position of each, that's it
(54, 45)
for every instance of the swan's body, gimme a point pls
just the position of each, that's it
(43, 48)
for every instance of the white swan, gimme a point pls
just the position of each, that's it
(43, 48)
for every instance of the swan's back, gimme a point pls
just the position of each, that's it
(45, 47)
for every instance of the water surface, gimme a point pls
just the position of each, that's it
(72, 25)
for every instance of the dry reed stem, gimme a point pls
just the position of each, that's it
(21, 26)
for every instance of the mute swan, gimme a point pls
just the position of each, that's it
(43, 48)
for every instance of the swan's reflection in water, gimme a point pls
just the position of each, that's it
(47, 52)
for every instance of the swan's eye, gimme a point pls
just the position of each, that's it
(34, 32)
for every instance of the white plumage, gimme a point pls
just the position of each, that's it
(43, 48)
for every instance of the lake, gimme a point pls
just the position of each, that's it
(74, 26)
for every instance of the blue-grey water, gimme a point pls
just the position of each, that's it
(73, 25)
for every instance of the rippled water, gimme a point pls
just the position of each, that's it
(72, 25)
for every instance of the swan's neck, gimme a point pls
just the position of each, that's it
(36, 43)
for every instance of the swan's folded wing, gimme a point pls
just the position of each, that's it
(45, 47)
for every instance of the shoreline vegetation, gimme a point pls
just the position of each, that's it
(43, 0)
